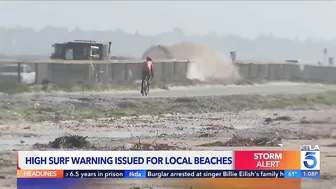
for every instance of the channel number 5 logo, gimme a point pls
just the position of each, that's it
(310, 157)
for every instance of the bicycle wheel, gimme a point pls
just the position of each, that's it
(146, 89)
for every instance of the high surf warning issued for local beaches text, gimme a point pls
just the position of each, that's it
(169, 164)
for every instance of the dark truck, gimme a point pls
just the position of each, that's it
(81, 50)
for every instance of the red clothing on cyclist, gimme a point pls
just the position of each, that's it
(148, 67)
(147, 70)
(148, 64)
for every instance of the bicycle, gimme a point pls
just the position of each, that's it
(145, 86)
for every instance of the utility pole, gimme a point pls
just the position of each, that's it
(233, 56)
(325, 51)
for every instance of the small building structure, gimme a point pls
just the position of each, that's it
(80, 50)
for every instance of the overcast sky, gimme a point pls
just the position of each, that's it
(316, 19)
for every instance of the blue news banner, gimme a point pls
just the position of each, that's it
(190, 174)
(72, 178)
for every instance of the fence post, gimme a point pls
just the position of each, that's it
(175, 74)
(97, 74)
(53, 72)
(269, 72)
(19, 72)
(36, 73)
(126, 72)
(249, 70)
(163, 72)
(106, 80)
(186, 69)
(112, 72)
(91, 73)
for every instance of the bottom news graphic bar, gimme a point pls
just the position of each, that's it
(167, 174)
(202, 183)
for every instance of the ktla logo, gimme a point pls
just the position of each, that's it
(310, 157)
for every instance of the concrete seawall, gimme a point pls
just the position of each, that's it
(288, 72)
(128, 71)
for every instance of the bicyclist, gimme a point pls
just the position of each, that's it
(147, 70)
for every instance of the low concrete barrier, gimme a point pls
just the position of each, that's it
(287, 72)
(323, 74)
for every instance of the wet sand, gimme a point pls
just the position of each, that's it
(177, 131)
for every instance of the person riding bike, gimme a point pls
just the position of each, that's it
(147, 70)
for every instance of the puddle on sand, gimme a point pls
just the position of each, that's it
(241, 127)
(16, 144)
(113, 134)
